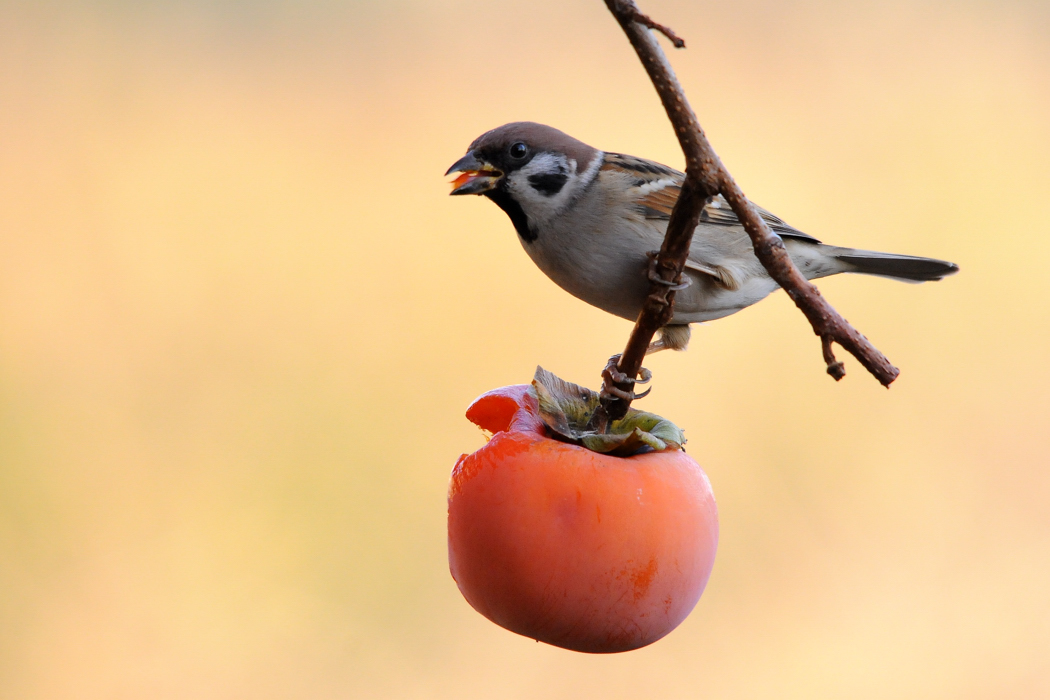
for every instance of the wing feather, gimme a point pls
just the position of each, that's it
(656, 189)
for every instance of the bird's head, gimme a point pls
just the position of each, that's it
(530, 170)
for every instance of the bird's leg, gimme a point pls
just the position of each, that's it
(674, 337)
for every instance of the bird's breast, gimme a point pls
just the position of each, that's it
(595, 262)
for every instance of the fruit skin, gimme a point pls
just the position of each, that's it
(577, 549)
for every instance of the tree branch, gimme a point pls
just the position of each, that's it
(679, 42)
(705, 177)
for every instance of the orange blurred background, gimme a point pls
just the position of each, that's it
(240, 320)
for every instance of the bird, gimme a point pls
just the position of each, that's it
(590, 219)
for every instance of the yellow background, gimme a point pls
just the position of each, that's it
(240, 320)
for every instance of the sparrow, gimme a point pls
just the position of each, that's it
(589, 219)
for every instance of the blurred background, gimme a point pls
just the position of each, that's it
(240, 320)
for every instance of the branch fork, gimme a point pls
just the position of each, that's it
(643, 19)
(706, 177)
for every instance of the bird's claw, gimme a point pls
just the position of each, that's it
(654, 275)
(613, 376)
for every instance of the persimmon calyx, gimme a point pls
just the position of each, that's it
(565, 408)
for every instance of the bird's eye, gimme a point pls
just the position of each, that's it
(519, 150)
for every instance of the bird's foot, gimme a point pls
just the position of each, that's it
(655, 278)
(614, 379)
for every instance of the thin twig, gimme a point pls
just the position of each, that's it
(679, 42)
(705, 177)
(835, 368)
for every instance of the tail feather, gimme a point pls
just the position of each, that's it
(906, 268)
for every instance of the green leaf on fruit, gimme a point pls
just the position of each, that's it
(565, 408)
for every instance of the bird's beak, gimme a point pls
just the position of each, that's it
(475, 177)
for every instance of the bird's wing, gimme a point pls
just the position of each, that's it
(655, 189)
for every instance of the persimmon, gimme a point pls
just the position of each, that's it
(587, 551)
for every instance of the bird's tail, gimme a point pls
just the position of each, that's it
(906, 268)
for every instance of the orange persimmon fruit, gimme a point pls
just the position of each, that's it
(581, 550)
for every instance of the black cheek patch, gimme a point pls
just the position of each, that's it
(548, 184)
